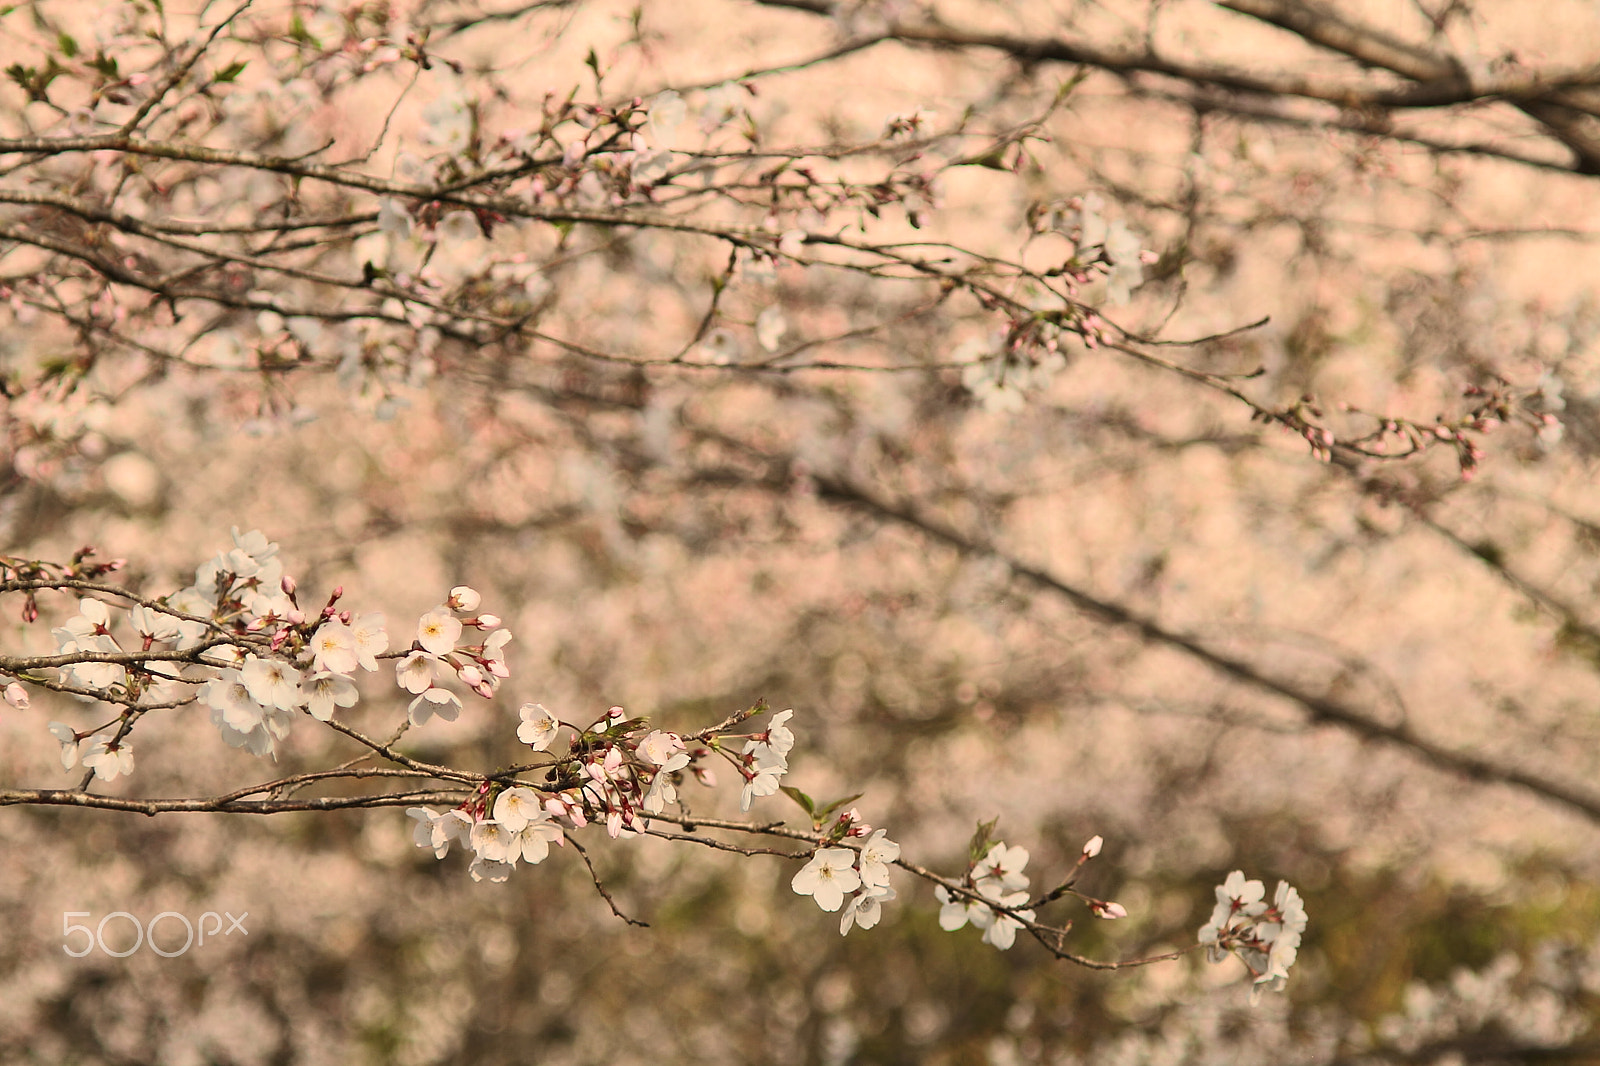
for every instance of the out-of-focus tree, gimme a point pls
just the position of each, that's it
(1166, 420)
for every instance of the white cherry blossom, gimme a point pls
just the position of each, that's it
(230, 697)
(665, 750)
(876, 855)
(370, 639)
(532, 842)
(515, 806)
(865, 907)
(156, 625)
(1000, 871)
(325, 691)
(272, 682)
(434, 701)
(69, 743)
(437, 831)
(438, 631)
(955, 912)
(763, 780)
(483, 869)
(494, 659)
(491, 840)
(333, 648)
(108, 762)
(1001, 928)
(416, 672)
(827, 877)
(539, 726)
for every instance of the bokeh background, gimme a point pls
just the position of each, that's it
(682, 541)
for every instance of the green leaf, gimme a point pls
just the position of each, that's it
(68, 46)
(801, 798)
(979, 847)
(836, 804)
(230, 72)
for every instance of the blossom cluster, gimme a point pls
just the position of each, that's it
(996, 879)
(1105, 249)
(617, 773)
(863, 873)
(995, 895)
(259, 660)
(520, 828)
(239, 638)
(1266, 937)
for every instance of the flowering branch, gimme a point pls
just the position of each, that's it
(269, 662)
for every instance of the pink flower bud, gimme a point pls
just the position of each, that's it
(17, 696)
(1092, 848)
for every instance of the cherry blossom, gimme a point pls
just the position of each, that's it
(272, 683)
(1000, 928)
(438, 631)
(762, 779)
(107, 762)
(434, 701)
(827, 877)
(1000, 870)
(324, 691)
(955, 912)
(436, 831)
(370, 640)
(539, 726)
(415, 672)
(156, 625)
(664, 749)
(333, 648)
(865, 907)
(514, 807)
(492, 870)
(493, 655)
(770, 328)
(69, 743)
(876, 855)
(532, 842)
(229, 696)
(1266, 937)
(490, 840)
(93, 674)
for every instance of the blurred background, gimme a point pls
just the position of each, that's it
(685, 537)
